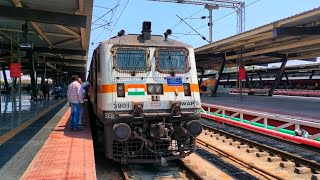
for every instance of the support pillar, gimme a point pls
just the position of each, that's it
(32, 74)
(6, 84)
(215, 88)
(260, 81)
(43, 76)
(210, 8)
(0, 91)
(279, 75)
(201, 77)
(248, 82)
(228, 79)
(57, 78)
(288, 81)
(310, 77)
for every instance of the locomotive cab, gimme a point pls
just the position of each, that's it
(145, 94)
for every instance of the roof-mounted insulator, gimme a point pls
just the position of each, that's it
(121, 33)
(146, 30)
(167, 33)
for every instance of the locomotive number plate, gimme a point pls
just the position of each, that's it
(174, 81)
(123, 105)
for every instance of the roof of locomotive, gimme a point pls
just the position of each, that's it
(137, 40)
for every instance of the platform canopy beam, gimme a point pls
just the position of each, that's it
(60, 51)
(296, 31)
(66, 61)
(48, 17)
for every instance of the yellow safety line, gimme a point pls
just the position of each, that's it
(4, 138)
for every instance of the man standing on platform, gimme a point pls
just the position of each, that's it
(46, 90)
(76, 101)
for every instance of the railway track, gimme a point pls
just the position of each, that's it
(255, 169)
(175, 170)
(299, 159)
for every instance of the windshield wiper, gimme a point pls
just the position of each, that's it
(171, 66)
(134, 70)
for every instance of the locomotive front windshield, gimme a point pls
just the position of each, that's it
(131, 59)
(172, 60)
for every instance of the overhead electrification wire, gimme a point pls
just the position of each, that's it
(120, 16)
(218, 19)
(105, 14)
(101, 19)
(185, 18)
(101, 7)
(193, 29)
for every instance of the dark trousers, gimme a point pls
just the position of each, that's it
(46, 94)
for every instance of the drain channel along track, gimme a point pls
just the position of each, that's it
(174, 170)
(302, 160)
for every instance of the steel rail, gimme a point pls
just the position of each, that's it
(193, 173)
(180, 164)
(124, 172)
(274, 151)
(235, 159)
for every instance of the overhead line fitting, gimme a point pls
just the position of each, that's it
(204, 38)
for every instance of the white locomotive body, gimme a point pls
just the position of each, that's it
(144, 92)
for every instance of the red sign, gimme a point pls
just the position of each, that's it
(15, 70)
(242, 73)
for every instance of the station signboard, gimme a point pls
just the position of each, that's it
(242, 73)
(15, 70)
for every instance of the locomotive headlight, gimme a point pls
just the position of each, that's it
(151, 89)
(159, 89)
(155, 89)
(120, 90)
(121, 132)
(186, 88)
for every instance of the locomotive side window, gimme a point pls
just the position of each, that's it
(172, 60)
(130, 60)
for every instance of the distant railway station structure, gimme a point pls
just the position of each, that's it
(49, 39)
(293, 38)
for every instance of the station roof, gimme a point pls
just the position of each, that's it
(296, 37)
(313, 68)
(58, 29)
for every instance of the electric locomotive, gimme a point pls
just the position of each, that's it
(145, 96)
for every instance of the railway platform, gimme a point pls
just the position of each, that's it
(36, 142)
(278, 116)
(17, 113)
(66, 154)
(285, 105)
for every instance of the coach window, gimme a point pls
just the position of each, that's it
(130, 59)
(172, 60)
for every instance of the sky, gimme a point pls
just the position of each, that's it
(129, 15)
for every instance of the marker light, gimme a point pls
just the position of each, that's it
(186, 89)
(120, 90)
